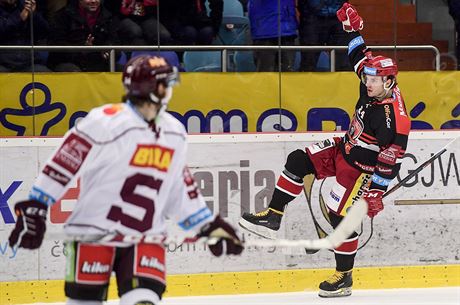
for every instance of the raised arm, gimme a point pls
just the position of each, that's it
(352, 23)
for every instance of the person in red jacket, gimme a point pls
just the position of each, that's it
(363, 162)
(139, 22)
(139, 25)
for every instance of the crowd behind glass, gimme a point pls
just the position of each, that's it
(169, 22)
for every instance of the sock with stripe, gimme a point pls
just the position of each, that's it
(287, 189)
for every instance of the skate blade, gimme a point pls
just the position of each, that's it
(258, 230)
(342, 292)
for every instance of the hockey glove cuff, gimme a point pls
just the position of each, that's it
(30, 225)
(223, 238)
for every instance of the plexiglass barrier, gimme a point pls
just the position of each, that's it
(246, 66)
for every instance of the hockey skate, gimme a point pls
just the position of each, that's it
(338, 285)
(264, 224)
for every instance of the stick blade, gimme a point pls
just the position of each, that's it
(349, 224)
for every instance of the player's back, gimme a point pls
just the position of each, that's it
(126, 182)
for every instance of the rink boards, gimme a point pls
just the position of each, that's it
(224, 102)
(415, 242)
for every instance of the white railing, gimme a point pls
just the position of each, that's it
(224, 50)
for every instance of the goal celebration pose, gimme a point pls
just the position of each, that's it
(363, 162)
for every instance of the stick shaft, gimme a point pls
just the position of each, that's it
(348, 225)
(316, 244)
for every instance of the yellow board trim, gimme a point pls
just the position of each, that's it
(253, 282)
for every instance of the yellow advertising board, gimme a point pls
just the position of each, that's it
(224, 102)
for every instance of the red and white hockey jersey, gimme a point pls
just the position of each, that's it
(132, 175)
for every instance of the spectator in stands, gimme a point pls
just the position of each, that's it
(15, 30)
(41, 7)
(139, 23)
(454, 10)
(189, 22)
(82, 22)
(53, 6)
(264, 18)
(320, 26)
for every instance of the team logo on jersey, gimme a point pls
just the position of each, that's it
(113, 109)
(72, 153)
(354, 132)
(152, 156)
(389, 155)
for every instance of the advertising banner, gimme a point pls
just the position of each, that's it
(236, 174)
(224, 102)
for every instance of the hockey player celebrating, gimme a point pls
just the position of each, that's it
(130, 159)
(363, 162)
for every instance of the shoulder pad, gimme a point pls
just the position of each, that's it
(170, 124)
(105, 123)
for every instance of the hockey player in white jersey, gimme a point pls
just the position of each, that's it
(131, 162)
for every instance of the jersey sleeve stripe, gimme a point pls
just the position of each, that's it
(41, 196)
(368, 138)
(355, 42)
(195, 219)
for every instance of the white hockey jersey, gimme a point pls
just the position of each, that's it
(132, 176)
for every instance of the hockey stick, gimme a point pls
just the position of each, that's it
(419, 169)
(348, 225)
(351, 222)
(354, 217)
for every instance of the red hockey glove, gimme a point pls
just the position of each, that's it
(30, 226)
(374, 201)
(226, 239)
(348, 15)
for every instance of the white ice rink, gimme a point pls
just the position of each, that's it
(429, 296)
